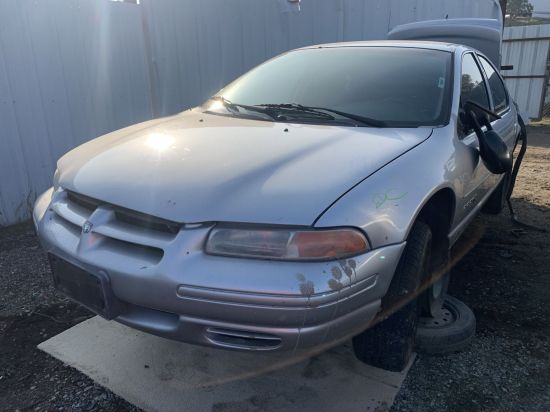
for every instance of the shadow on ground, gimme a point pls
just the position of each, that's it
(505, 280)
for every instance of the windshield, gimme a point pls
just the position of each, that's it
(398, 87)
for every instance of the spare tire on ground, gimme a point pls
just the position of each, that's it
(449, 331)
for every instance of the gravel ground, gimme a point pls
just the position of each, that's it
(31, 311)
(504, 279)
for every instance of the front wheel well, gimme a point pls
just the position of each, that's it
(437, 213)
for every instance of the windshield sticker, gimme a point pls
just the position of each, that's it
(441, 83)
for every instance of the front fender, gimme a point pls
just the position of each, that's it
(386, 204)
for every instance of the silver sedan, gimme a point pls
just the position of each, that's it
(311, 200)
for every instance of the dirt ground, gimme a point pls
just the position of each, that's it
(505, 279)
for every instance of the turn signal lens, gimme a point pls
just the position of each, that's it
(277, 244)
(328, 244)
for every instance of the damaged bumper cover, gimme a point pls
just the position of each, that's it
(163, 283)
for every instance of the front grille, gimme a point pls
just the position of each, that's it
(69, 226)
(121, 248)
(127, 232)
(125, 215)
(83, 201)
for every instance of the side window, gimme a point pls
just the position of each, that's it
(472, 84)
(498, 91)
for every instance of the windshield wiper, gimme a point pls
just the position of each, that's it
(320, 110)
(297, 108)
(267, 109)
(234, 107)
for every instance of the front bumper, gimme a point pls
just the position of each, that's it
(169, 287)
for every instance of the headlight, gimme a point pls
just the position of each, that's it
(286, 244)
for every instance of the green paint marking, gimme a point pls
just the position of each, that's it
(380, 199)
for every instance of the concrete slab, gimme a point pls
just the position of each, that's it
(162, 375)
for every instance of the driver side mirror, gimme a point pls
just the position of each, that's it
(493, 151)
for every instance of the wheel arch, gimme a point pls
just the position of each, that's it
(437, 212)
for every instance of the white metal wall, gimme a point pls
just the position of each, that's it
(199, 46)
(71, 70)
(527, 49)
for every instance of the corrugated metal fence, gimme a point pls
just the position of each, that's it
(199, 46)
(527, 48)
(71, 70)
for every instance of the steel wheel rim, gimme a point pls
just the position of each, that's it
(447, 316)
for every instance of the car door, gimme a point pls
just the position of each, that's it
(475, 179)
(507, 127)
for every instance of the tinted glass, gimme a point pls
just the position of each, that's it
(472, 84)
(498, 92)
(401, 86)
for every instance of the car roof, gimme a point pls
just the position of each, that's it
(419, 44)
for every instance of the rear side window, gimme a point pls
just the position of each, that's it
(498, 91)
(472, 85)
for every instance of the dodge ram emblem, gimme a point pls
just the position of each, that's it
(87, 227)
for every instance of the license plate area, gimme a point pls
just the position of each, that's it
(89, 289)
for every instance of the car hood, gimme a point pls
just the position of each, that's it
(196, 167)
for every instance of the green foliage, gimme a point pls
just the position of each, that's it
(519, 8)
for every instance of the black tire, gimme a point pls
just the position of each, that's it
(389, 344)
(497, 200)
(452, 331)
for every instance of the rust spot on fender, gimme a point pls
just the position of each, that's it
(307, 288)
(334, 284)
(348, 266)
